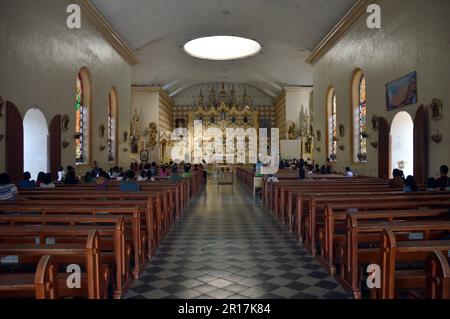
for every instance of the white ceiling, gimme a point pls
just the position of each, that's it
(158, 29)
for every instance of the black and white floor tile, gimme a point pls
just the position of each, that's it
(227, 246)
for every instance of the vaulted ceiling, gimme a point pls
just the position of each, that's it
(288, 30)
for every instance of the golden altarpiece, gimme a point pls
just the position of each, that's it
(222, 112)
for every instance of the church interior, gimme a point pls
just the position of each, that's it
(209, 149)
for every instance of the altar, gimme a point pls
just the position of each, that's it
(221, 113)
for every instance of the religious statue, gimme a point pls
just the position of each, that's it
(436, 109)
(134, 145)
(65, 123)
(152, 136)
(292, 131)
(308, 146)
(136, 125)
(101, 130)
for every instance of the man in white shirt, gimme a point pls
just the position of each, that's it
(348, 172)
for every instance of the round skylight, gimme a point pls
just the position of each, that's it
(222, 48)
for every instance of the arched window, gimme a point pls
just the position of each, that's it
(79, 123)
(82, 117)
(359, 117)
(112, 126)
(362, 109)
(332, 124)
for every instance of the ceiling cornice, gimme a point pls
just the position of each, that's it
(96, 19)
(342, 28)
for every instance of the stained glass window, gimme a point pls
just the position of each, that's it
(333, 128)
(79, 123)
(362, 110)
(111, 130)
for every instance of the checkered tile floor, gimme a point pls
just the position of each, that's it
(227, 246)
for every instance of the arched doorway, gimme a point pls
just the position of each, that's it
(35, 146)
(402, 143)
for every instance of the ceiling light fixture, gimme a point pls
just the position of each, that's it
(222, 48)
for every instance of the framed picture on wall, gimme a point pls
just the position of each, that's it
(401, 92)
(144, 156)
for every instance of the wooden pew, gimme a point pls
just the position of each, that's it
(438, 276)
(111, 232)
(352, 255)
(43, 284)
(303, 201)
(337, 217)
(131, 217)
(275, 192)
(150, 206)
(95, 274)
(318, 204)
(393, 250)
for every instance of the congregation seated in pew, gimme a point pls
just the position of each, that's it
(27, 183)
(442, 182)
(47, 182)
(8, 191)
(129, 185)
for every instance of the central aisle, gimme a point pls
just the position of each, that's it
(228, 246)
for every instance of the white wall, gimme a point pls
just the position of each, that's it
(35, 142)
(415, 36)
(290, 149)
(40, 59)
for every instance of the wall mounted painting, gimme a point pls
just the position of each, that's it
(144, 156)
(401, 92)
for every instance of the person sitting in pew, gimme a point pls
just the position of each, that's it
(175, 177)
(432, 185)
(330, 169)
(102, 183)
(348, 172)
(61, 174)
(40, 178)
(442, 181)
(71, 177)
(187, 171)
(397, 181)
(410, 185)
(142, 177)
(8, 191)
(88, 178)
(47, 182)
(27, 183)
(317, 169)
(272, 179)
(129, 185)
